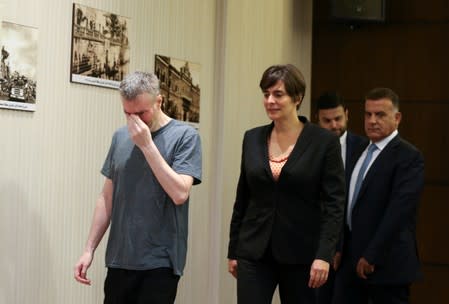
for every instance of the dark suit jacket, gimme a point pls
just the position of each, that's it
(384, 215)
(353, 141)
(300, 215)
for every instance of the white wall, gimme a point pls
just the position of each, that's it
(50, 159)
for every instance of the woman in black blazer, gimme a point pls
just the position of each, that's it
(290, 199)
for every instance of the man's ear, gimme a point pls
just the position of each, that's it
(159, 99)
(398, 117)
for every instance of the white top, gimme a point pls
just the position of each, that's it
(343, 147)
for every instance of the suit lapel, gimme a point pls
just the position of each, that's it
(263, 146)
(301, 145)
(352, 161)
(383, 159)
(351, 149)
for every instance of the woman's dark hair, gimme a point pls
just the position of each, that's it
(293, 79)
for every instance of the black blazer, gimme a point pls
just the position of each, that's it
(384, 215)
(353, 141)
(300, 215)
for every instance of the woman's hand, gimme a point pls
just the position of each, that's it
(318, 273)
(232, 267)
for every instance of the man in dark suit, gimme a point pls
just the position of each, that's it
(333, 115)
(379, 259)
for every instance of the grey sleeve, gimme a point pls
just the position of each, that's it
(107, 169)
(188, 158)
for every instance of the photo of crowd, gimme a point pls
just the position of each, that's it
(18, 61)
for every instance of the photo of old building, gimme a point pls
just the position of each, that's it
(100, 47)
(180, 88)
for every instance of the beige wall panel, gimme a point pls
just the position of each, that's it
(50, 159)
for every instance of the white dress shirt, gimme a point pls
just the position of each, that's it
(343, 147)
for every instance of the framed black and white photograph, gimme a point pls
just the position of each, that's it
(18, 65)
(100, 47)
(180, 88)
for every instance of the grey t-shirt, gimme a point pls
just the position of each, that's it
(147, 229)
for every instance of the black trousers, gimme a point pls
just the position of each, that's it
(257, 281)
(156, 286)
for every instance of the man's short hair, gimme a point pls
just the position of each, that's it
(330, 100)
(138, 83)
(380, 93)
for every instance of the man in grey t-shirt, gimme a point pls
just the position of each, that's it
(150, 168)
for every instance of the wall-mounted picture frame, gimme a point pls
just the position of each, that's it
(18, 66)
(180, 88)
(100, 47)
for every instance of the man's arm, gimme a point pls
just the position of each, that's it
(402, 207)
(177, 186)
(100, 223)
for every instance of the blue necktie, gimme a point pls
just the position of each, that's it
(359, 180)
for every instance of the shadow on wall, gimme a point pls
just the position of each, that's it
(25, 255)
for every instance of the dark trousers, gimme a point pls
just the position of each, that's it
(156, 286)
(257, 281)
(350, 289)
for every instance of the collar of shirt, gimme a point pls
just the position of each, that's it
(381, 144)
(343, 138)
